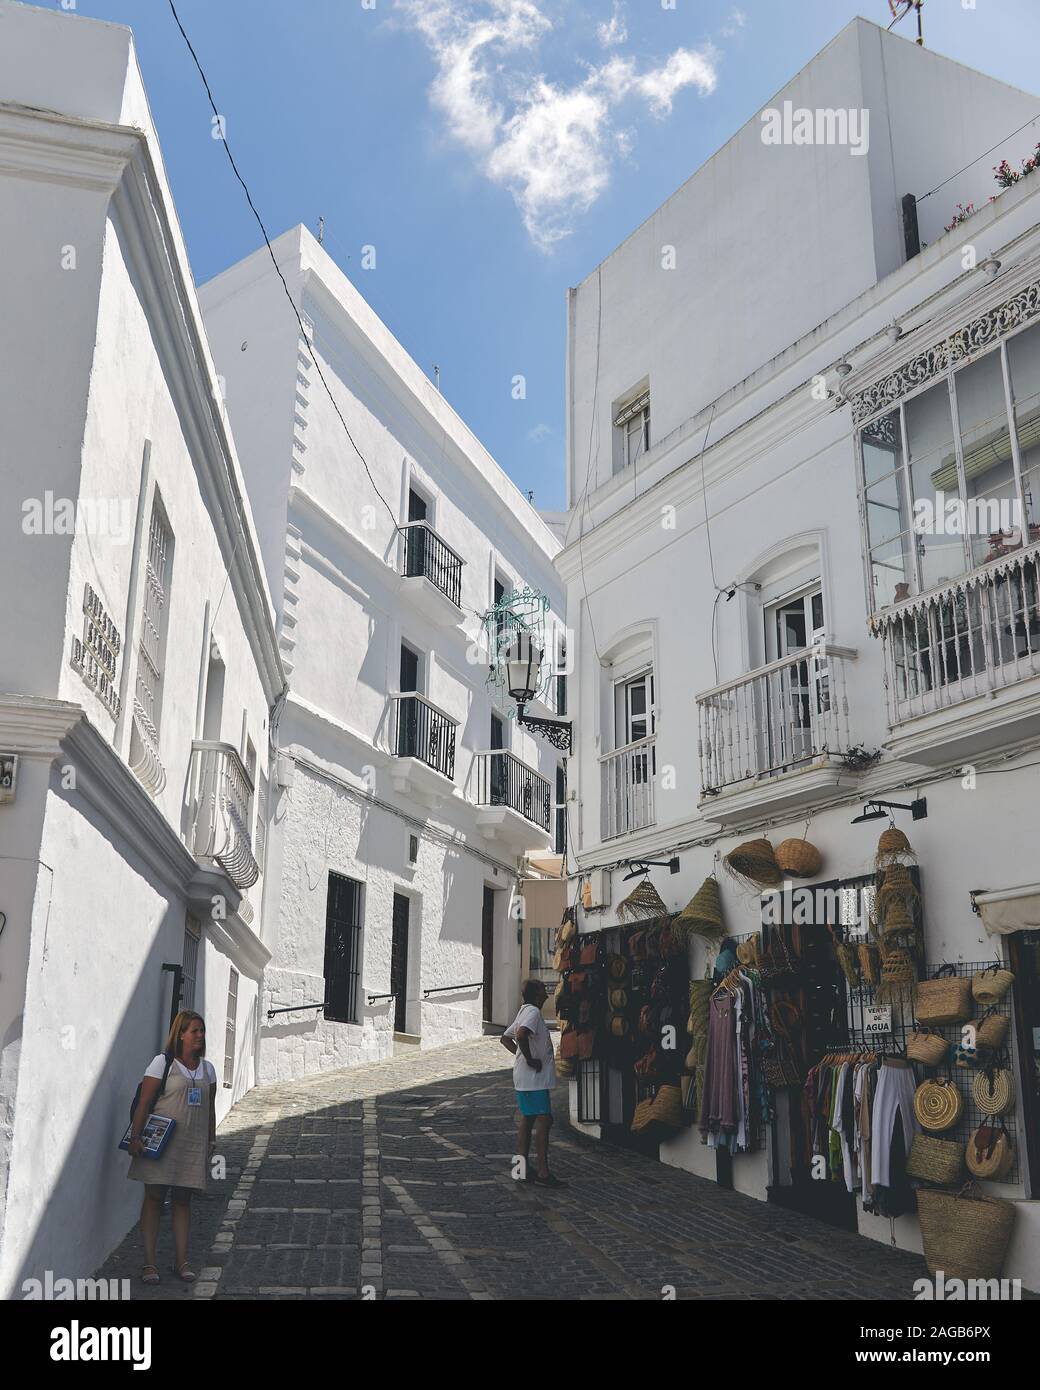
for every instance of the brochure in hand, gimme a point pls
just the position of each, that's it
(155, 1135)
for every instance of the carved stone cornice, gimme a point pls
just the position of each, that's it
(33, 727)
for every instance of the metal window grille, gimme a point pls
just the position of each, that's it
(150, 647)
(229, 1030)
(342, 948)
(590, 1091)
(190, 962)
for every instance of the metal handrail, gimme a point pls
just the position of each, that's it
(418, 695)
(424, 732)
(375, 998)
(443, 989)
(821, 652)
(295, 1009)
(407, 525)
(519, 778)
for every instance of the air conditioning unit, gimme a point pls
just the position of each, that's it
(595, 893)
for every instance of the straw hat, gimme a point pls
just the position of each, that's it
(754, 863)
(644, 901)
(667, 1106)
(702, 915)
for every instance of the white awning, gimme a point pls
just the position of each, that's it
(1009, 910)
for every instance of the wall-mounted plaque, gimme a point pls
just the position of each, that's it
(96, 657)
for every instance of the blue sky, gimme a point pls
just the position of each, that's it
(492, 151)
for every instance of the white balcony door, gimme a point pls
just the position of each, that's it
(634, 722)
(797, 695)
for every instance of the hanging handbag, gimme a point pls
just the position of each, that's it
(567, 930)
(569, 1043)
(945, 999)
(637, 945)
(990, 1153)
(994, 1090)
(990, 985)
(991, 1030)
(589, 953)
(585, 1011)
(647, 1022)
(565, 958)
(937, 1105)
(780, 1065)
(935, 1160)
(927, 1047)
(618, 1026)
(647, 1064)
(586, 1043)
(617, 998)
(777, 964)
(578, 982)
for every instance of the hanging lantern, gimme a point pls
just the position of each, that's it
(523, 662)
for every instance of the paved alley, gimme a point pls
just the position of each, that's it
(394, 1181)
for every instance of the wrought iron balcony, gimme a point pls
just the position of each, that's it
(974, 638)
(789, 716)
(222, 804)
(628, 787)
(503, 780)
(423, 731)
(427, 556)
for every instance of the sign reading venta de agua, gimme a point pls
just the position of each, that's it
(97, 656)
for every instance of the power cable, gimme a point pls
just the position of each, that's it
(977, 158)
(274, 262)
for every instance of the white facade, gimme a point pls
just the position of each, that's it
(355, 580)
(788, 260)
(128, 639)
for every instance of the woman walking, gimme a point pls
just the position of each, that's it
(189, 1099)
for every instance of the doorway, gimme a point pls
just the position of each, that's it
(1024, 961)
(399, 962)
(487, 946)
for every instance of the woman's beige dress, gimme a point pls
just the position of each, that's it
(183, 1162)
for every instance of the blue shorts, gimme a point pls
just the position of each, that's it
(534, 1102)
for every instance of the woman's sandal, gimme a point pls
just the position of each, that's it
(150, 1274)
(184, 1273)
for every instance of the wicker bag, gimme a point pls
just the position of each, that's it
(991, 1030)
(643, 1116)
(994, 1090)
(990, 1153)
(934, 1160)
(965, 1234)
(780, 1064)
(667, 1106)
(926, 1047)
(937, 1105)
(990, 985)
(944, 999)
(567, 932)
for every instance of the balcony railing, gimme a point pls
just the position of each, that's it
(503, 780)
(223, 804)
(423, 731)
(973, 636)
(427, 556)
(628, 787)
(778, 718)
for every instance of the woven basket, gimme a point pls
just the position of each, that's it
(667, 1106)
(990, 986)
(749, 952)
(618, 1026)
(937, 1105)
(936, 1160)
(898, 974)
(798, 857)
(617, 968)
(896, 919)
(965, 1234)
(990, 1154)
(991, 1031)
(642, 903)
(869, 962)
(702, 915)
(567, 932)
(891, 845)
(617, 998)
(643, 1116)
(895, 882)
(994, 1091)
(944, 1000)
(754, 862)
(926, 1047)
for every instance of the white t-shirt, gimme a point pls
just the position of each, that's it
(525, 1078)
(204, 1072)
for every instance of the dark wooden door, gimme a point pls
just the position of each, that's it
(487, 944)
(399, 963)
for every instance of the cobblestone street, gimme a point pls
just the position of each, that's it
(395, 1178)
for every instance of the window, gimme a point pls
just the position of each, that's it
(795, 695)
(969, 445)
(633, 706)
(631, 431)
(411, 667)
(413, 850)
(152, 642)
(342, 948)
(229, 1030)
(190, 961)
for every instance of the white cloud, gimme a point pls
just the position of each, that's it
(540, 432)
(551, 144)
(736, 22)
(614, 30)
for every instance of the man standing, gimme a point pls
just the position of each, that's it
(534, 1076)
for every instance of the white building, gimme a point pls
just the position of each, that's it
(749, 608)
(138, 660)
(407, 798)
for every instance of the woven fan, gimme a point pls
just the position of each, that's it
(644, 901)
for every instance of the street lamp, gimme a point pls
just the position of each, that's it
(523, 663)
